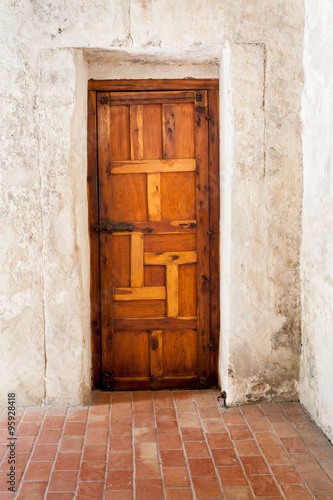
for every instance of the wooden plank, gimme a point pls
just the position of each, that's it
(156, 353)
(92, 185)
(106, 275)
(150, 100)
(145, 293)
(120, 255)
(139, 309)
(168, 258)
(170, 242)
(214, 218)
(155, 324)
(152, 131)
(148, 383)
(163, 227)
(178, 195)
(156, 95)
(128, 198)
(150, 84)
(154, 197)
(131, 354)
(180, 357)
(185, 131)
(172, 290)
(137, 260)
(152, 166)
(202, 203)
(187, 278)
(168, 122)
(136, 125)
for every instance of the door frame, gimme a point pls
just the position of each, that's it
(212, 88)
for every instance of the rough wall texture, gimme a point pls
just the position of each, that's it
(47, 51)
(317, 247)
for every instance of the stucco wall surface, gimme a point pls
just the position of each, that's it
(317, 246)
(48, 51)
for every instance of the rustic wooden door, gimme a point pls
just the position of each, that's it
(154, 239)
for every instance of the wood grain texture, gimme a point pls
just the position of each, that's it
(202, 210)
(154, 197)
(167, 258)
(131, 354)
(106, 275)
(152, 166)
(180, 355)
(134, 131)
(156, 353)
(136, 259)
(92, 186)
(172, 290)
(148, 96)
(170, 242)
(168, 118)
(187, 286)
(154, 275)
(214, 221)
(136, 119)
(178, 198)
(145, 293)
(139, 309)
(142, 85)
(154, 324)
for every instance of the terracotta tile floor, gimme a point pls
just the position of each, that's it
(167, 445)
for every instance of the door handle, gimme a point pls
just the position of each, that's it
(106, 226)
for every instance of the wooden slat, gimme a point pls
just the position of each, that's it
(139, 309)
(94, 241)
(214, 216)
(178, 195)
(146, 293)
(152, 131)
(141, 96)
(172, 290)
(180, 353)
(154, 197)
(170, 243)
(166, 84)
(106, 275)
(168, 119)
(152, 166)
(202, 196)
(155, 324)
(187, 276)
(150, 100)
(172, 227)
(156, 353)
(167, 258)
(137, 260)
(136, 125)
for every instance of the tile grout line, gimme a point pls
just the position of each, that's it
(56, 454)
(287, 452)
(133, 447)
(183, 447)
(262, 454)
(157, 444)
(107, 445)
(209, 450)
(19, 486)
(81, 458)
(235, 449)
(312, 453)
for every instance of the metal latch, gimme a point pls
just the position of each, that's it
(106, 226)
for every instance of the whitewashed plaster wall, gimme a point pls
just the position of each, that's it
(48, 51)
(317, 247)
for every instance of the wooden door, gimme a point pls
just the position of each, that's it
(154, 239)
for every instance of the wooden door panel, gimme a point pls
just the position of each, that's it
(153, 175)
(128, 200)
(179, 352)
(178, 200)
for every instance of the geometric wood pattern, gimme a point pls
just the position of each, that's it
(153, 174)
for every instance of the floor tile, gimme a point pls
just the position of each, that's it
(207, 487)
(176, 477)
(232, 476)
(264, 486)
